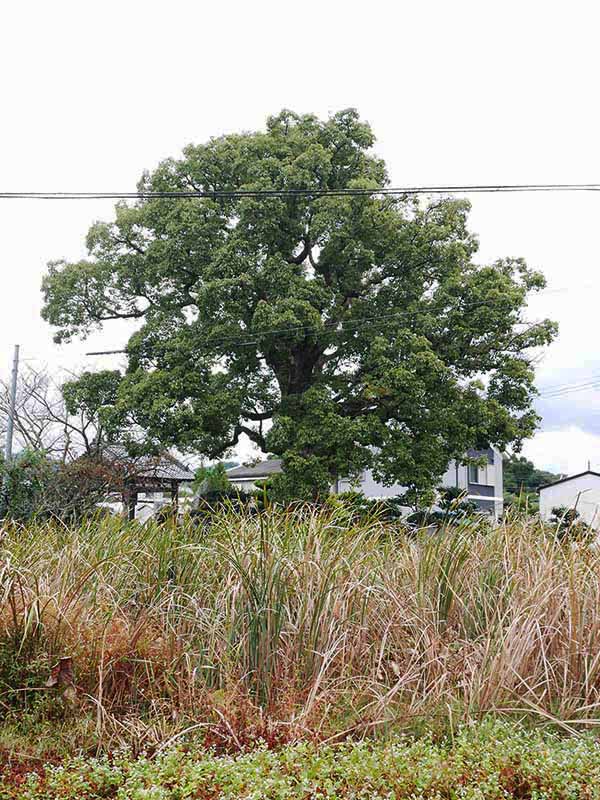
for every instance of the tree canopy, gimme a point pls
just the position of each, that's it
(338, 332)
(59, 414)
(521, 475)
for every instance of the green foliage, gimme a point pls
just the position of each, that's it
(39, 487)
(211, 479)
(525, 503)
(28, 476)
(452, 498)
(567, 525)
(91, 392)
(359, 326)
(359, 507)
(418, 499)
(447, 504)
(229, 499)
(521, 483)
(92, 397)
(521, 475)
(487, 760)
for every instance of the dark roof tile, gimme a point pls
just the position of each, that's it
(261, 470)
(164, 466)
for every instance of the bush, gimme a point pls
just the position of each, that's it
(27, 477)
(42, 488)
(364, 508)
(211, 480)
(447, 505)
(231, 500)
(568, 525)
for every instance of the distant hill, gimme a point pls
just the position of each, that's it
(521, 475)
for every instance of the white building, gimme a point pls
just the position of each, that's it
(581, 492)
(482, 484)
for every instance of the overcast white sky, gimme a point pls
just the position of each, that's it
(457, 93)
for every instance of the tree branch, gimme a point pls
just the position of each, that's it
(253, 435)
(256, 416)
(306, 250)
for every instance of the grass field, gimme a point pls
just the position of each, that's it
(288, 627)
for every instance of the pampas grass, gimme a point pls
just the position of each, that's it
(298, 623)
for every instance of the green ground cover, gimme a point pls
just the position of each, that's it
(490, 760)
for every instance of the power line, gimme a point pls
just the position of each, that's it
(591, 381)
(252, 337)
(584, 387)
(559, 387)
(238, 194)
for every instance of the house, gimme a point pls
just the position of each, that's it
(482, 484)
(581, 492)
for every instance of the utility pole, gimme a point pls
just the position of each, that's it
(10, 427)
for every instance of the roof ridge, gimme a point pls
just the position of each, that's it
(569, 478)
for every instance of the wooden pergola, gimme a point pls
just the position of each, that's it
(138, 486)
(148, 475)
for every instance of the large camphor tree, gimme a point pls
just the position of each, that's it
(340, 332)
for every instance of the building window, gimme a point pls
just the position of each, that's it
(473, 473)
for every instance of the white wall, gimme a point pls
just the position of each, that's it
(490, 474)
(455, 475)
(245, 485)
(150, 503)
(582, 493)
(372, 488)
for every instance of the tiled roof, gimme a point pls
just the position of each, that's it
(164, 466)
(261, 470)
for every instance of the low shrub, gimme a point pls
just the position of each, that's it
(489, 761)
(566, 525)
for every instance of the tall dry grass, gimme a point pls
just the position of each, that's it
(296, 624)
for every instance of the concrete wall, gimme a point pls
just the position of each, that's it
(582, 492)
